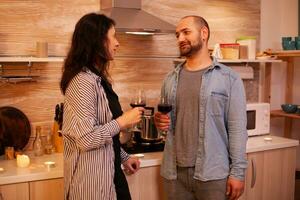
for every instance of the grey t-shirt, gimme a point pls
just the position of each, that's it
(187, 121)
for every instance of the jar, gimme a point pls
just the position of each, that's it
(250, 42)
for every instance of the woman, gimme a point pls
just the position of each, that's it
(93, 117)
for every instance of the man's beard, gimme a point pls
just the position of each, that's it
(191, 49)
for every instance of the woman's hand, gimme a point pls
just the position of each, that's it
(130, 118)
(131, 165)
(162, 121)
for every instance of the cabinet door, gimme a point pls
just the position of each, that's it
(133, 183)
(146, 184)
(271, 175)
(279, 174)
(47, 189)
(254, 177)
(151, 184)
(19, 191)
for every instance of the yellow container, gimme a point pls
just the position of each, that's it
(230, 51)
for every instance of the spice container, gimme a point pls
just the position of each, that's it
(230, 51)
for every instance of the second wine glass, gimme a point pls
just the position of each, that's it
(138, 99)
(164, 107)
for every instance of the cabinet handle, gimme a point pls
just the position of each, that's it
(1, 197)
(253, 180)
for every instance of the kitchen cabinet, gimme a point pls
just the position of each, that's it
(18, 191)
(146, 184)
(41, 189)
(270, 175)
(35, 190)
(289, 57)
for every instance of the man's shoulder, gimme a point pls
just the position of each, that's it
(226, 70)
(176, 70)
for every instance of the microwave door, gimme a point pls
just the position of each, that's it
(251, 122)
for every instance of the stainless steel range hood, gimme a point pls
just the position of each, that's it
(130, 18)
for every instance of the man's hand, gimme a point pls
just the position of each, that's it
(235, 188)
(162, 121)
(131, 165)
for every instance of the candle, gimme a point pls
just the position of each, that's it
(23, 161)
(49, 164)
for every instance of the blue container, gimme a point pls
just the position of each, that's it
(286, 39)
(289, 108)
(289, 45)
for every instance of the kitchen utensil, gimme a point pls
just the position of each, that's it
(149, 132)
(15, 128)
(57, 126)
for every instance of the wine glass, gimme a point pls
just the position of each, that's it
(164, 107)
(138, 99)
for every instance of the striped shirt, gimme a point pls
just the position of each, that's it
(88, 129)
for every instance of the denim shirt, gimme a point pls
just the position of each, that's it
(222, 125)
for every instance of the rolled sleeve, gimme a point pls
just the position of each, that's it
(124, 155)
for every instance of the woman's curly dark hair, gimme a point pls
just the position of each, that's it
(88, 48)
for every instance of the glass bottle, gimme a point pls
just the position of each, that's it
(37, 144)
(49, 146)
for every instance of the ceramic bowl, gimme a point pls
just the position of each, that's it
(298, 110)
(289, 108)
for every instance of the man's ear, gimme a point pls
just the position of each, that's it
(204, 33)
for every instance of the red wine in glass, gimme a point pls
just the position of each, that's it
(133, 105)
(164, 108)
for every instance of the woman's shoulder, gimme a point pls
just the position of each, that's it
(86, 77)
(84, 80)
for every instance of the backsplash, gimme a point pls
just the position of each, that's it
(142, 61)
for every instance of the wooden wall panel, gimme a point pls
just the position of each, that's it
(22, 23)
(25, 22)
(227, 19)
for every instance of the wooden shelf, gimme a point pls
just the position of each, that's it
(30, 59)
(287, 53)
(249, 61)
(238, 61)
(280, 113)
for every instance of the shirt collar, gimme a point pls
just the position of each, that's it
(215, 64)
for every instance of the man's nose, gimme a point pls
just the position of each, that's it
(180, 38)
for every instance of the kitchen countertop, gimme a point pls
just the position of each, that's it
(38, 171)
(263, 143)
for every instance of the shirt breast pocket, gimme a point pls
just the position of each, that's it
(217, 103)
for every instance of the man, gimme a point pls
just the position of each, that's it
(205, 149)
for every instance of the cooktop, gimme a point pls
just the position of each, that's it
(133, 148)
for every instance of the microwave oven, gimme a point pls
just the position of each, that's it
(258, 118)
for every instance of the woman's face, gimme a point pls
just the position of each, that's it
(112, 41)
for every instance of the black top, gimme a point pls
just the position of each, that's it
(120, 182)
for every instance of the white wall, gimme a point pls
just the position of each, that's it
(280, 18)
